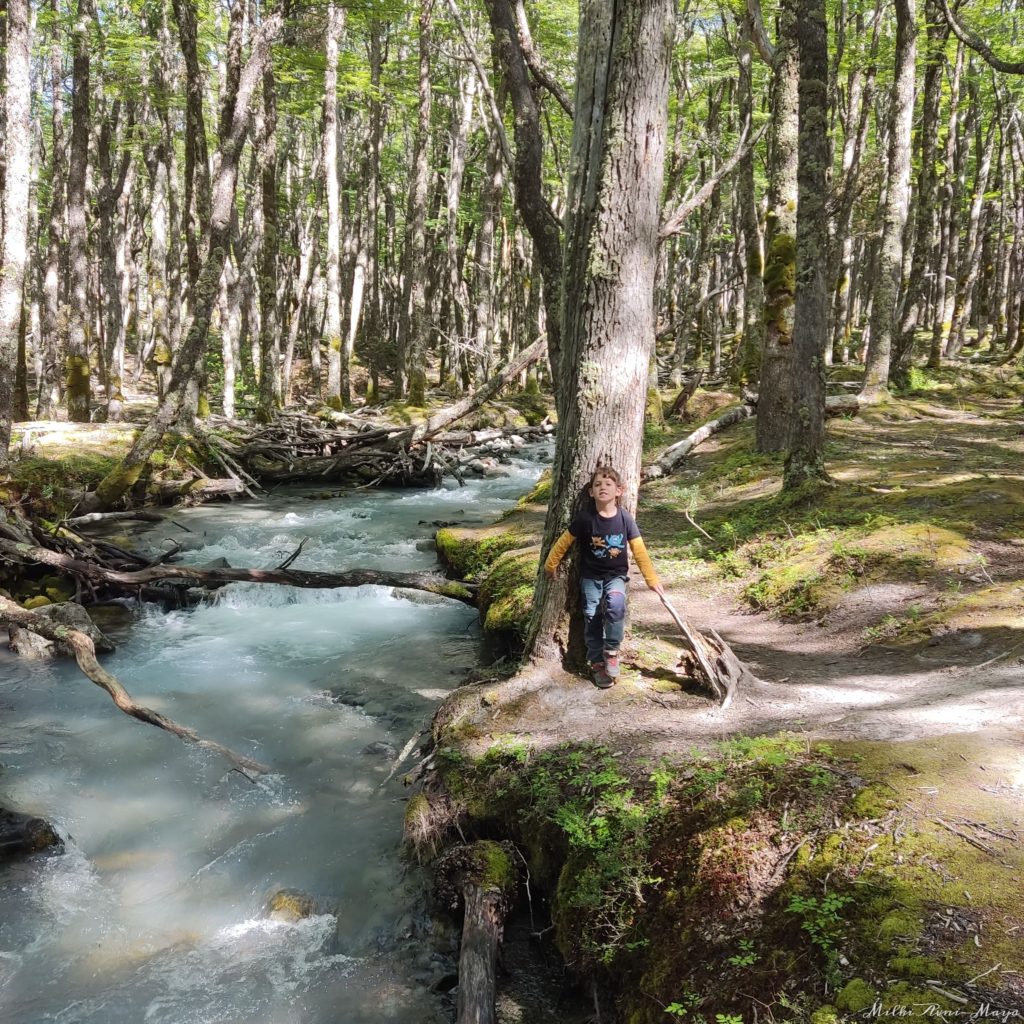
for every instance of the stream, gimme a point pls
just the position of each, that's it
(156, 911)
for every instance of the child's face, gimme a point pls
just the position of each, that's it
(604, 489)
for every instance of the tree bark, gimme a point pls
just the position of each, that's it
(780, 242)
(897, 205)
(805, 458)
(79, 397)
(17, 146)
(612, 221)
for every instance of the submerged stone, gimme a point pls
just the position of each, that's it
(290, 906)
(22, 835)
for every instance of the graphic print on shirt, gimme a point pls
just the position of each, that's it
(607, 545)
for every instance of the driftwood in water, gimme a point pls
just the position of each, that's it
(215, 577)
(482, 877)
(85, 655)
(716, 664)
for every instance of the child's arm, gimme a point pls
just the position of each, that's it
(557, 552)
(643, 560)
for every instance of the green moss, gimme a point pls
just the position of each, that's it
(873, 802)
(40, 601)
(496, 868)
(468, 552)
(899, 924)
(856, 995)
(507, 590)
(825, 1015)
(541, 493)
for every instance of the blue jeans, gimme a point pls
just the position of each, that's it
(604, 614)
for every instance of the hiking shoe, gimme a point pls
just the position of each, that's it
(601, 678)
(611, 663)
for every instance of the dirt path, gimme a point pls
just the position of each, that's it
(820, 677)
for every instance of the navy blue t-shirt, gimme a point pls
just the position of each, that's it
(603, 542)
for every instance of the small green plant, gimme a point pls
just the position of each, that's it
(821, 919)
(746, 957)
(728, 1018)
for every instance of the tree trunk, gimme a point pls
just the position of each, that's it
(805, 460)
(270, 363)
(332, 333)
(413, 324)
(897, 204)
(927, 180)
(18, 156)
(50, 342)
(612, 223)
(78, 384)
(780, 244)
(528, 175)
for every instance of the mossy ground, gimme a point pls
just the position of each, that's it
(777, 879)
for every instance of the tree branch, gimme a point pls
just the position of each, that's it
(673, 224)
(976, 43)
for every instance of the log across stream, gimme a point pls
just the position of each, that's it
(157, 909)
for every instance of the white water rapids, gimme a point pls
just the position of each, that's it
(155, 912)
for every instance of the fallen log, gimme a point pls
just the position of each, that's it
(674, 454)
(835, 405)
(483, 877)
(85, 655)
(215, 577)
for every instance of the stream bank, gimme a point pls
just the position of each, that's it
(847, 841)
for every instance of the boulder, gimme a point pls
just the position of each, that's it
(290, 906)
(74, 616)
(22, 835)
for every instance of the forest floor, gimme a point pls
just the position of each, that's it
(884, 618)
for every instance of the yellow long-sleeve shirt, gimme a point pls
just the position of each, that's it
(636, 546)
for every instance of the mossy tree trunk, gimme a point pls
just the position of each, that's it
(17, 156)
(805, 457)
(612, 220)
(240, 84)
(775, 401)
(78, 388)
(897, 206)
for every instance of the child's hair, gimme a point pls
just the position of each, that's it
(612, 474)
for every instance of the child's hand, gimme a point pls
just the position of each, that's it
(550, 572)
(659, 590)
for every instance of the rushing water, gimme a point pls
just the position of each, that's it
(155, 912)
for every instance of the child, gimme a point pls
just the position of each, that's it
(604, 567)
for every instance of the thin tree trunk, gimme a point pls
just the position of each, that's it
(17, 147)
(897, 204)
(78, 384)
(413, 321)
(332, 334)
(270, 363)
(50, 346)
